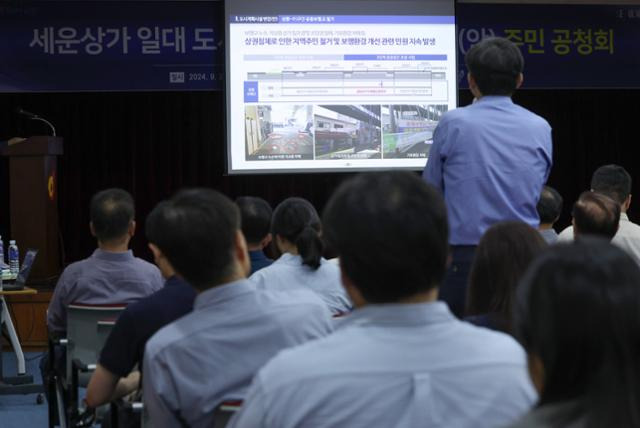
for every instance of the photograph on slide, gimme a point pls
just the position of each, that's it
(347, 132)
(279, 131)
(407, 130)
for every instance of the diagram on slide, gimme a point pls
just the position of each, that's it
(343, 78)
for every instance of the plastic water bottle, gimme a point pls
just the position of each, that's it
(14, 258)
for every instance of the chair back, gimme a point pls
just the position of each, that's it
(88, 327)
(225, 411)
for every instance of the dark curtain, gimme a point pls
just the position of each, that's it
(155, 143)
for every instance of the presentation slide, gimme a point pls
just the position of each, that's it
(337, 85)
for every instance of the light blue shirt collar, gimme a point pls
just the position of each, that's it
(290, 259)
(111, 256)
(494, 99)
(400, 314)
(222, 293)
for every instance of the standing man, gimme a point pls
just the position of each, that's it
(489, 159)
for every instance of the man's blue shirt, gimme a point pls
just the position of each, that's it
(104, 278)
(141, 320)
(258, 260)
(211, 354)
(393, 365)
(490, 160)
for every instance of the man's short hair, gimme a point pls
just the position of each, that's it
(390, 231)
(256, 218)
(495, 64)
(196, 231)
(111, 212)
(613, 181)
(596, 214)
(549, 205)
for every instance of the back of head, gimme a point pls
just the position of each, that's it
(576, 313)
(111, 212)
(595, 214)
(297, 221)
(196, 230)
(256, 218)
(613, 181)
(503, 255)
(549, 205)
(495, 63)
(390, 231)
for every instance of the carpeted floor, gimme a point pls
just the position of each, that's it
(21, 411)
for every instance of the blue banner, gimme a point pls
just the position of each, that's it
(111, 45)
(178, 45)
(564, 46)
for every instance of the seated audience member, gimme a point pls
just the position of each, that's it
(255, 215)
(576, 314)
(124, 347)
(401, 359)
(549, 209)
(112, 274)
(212, 353)
(503, 255)
(595, 214)
(296, 230)
(615, 182)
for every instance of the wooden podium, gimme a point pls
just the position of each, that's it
(33, 201)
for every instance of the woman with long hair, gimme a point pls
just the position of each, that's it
(501, 259)
(296, 229)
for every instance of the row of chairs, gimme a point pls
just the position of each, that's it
(88, 327)
(223, 412)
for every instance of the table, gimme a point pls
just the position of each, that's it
(22, 383)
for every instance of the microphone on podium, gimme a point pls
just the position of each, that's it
(34, 116)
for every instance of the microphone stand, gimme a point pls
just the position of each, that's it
(53, 129)
(34, 116)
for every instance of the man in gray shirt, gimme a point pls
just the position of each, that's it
(112, 274)
(211, 354)
(401, 359)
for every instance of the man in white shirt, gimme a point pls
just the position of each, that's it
(615, 182)
(401, 359)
